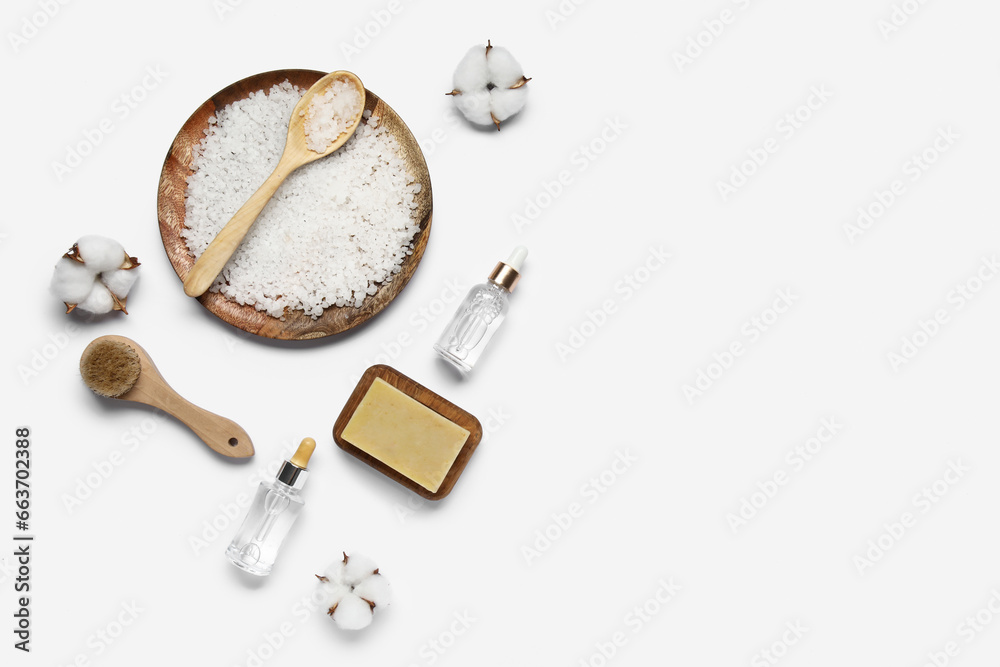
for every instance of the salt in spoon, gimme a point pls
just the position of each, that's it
(296, 154)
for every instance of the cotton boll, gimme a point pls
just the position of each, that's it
(71, 281)
(475, 106)
(351, 591)
(120, 281)
(335, 572)
(99, 301)
(331, 593)
(100, 253)
(472, 72)
(95, 275)
(506, 103)
(374, 589)
(352, 613)
(357, 568)
(489, 85)
(504, 70)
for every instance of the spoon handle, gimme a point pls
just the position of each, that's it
(222, 247)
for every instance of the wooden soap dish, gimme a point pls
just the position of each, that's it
(427, 398)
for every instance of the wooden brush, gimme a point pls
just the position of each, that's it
(116, 367)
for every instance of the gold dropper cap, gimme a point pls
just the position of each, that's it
(302, 454)
(506, 274)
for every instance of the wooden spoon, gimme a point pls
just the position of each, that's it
(296, 154)
(223, 435)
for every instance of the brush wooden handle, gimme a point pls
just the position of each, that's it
(223, 435)
(222, 247)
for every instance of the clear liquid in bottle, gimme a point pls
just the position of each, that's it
(480, 315)
(274, 509)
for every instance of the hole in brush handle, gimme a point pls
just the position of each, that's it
(233, 442)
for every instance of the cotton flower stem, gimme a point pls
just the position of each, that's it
(129, 263)
(74, 254)
(119, 303)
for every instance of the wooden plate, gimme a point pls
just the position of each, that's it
(422, 395)
(296, 325)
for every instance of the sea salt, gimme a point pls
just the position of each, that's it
(333, 232)
(330, 113)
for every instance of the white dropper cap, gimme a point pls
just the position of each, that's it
(516, 258)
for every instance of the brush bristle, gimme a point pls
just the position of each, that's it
(109, 367)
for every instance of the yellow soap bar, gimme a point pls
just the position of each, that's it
(405, 435)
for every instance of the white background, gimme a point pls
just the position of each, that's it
(565, 416)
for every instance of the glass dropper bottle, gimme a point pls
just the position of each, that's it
(480, 314)
(274, 509)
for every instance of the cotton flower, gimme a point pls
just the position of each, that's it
(99, 253)
(489, 85)
(99, 301)
(351, 589)
(95, 275)
(120, 281)
(72, 281)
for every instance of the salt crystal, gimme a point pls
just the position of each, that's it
(330, 113)
(335, 229)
